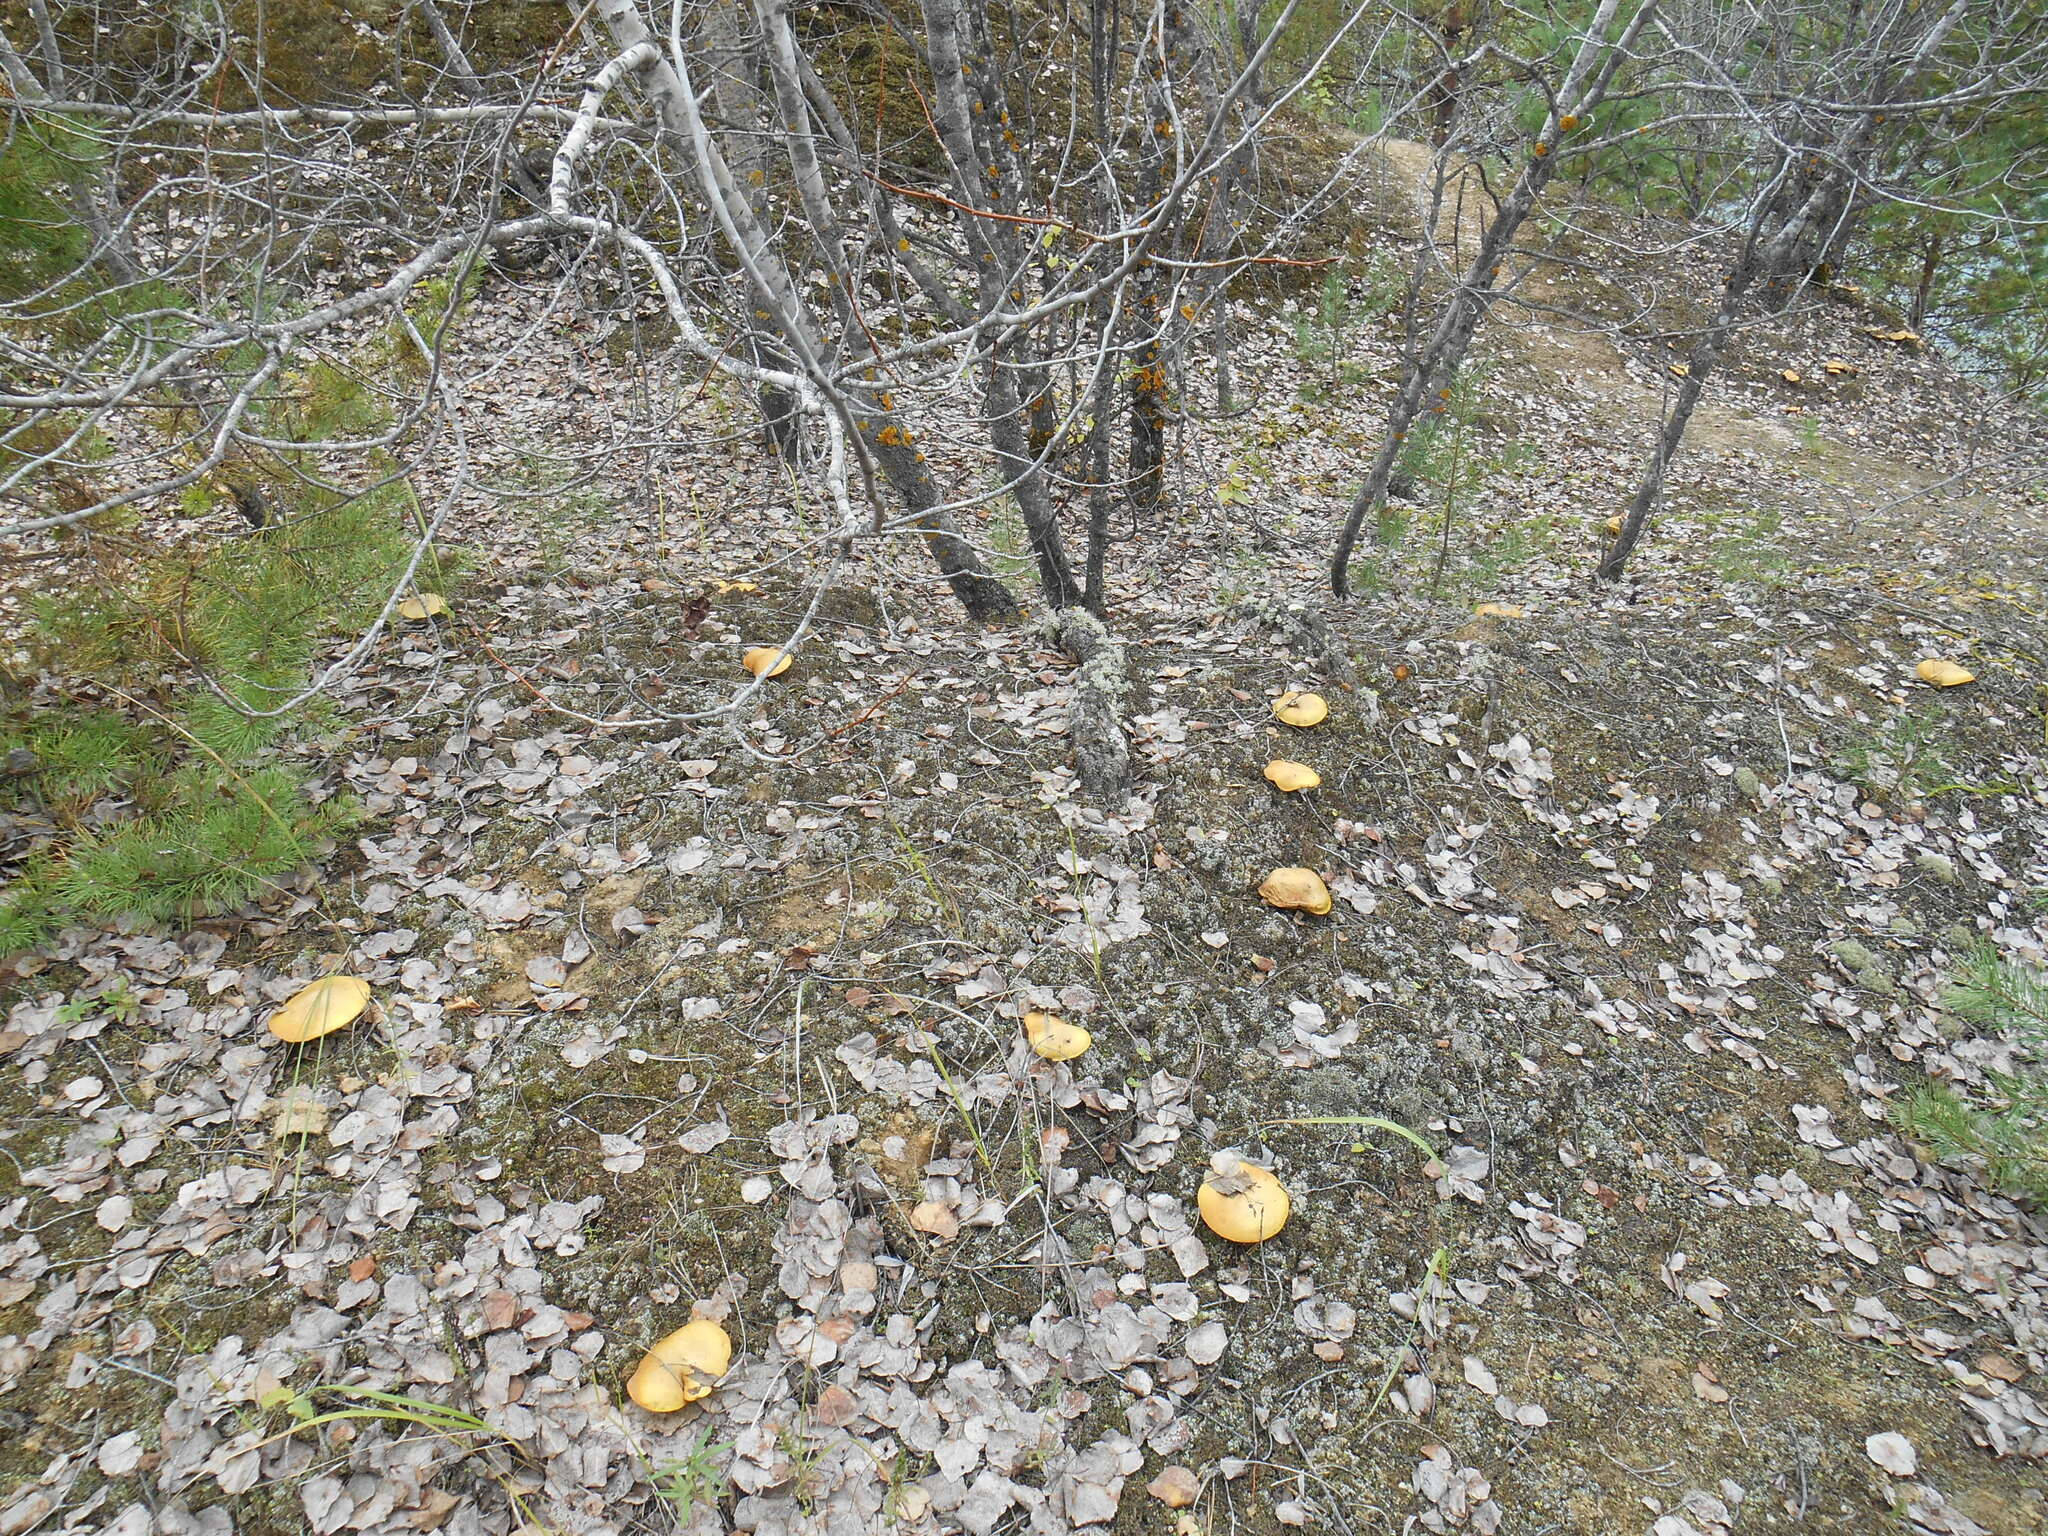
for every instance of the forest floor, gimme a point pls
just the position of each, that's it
(1646, 901)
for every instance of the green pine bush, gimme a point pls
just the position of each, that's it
(175, 806)
(2009, 1136)
(143, 788)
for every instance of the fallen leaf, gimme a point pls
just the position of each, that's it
(937, 1218)
(1175, 1487)
(1894, 1452)
(298, 1113)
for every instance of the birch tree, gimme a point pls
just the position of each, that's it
(1824, 97)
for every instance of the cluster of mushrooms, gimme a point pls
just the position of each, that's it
(1238, 1200)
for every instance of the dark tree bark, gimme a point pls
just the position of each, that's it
(1923, 292)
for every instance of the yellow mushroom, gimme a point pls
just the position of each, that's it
(1613, 525)
(1943, 674)
(766, 661)
(1300, 709)
(1288, 777)
(1500, 611)
(1054, 1038)
(1241, 1200)
(424, 606)
(682, 1367)
(1299, 890)
(331, 1003)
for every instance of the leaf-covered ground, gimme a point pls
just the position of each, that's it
(1645, 904)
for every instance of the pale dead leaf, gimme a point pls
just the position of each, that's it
(1894, 1452)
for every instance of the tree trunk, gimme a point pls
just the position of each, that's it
(971, 115)
(1431, 370)
(1101, 756)
(986, 599)
(1094, 593)
(1149, 380)
(1699, 366)
(1930, 263)
(1026, 482)
(732, 59)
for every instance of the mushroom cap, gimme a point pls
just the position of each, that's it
(320, 1008)
(1257, 1210)
(1943, 674)
(1054, 1038)
(1288, 777)
(1613, 525)
(1300, 890)
(423, 606)
(682, 1367)
(1301, 709)
(1500, 611)
(766, 661)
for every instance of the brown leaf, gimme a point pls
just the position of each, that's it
(835, 1406)
(2000, 1368)
(1175, 1487)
